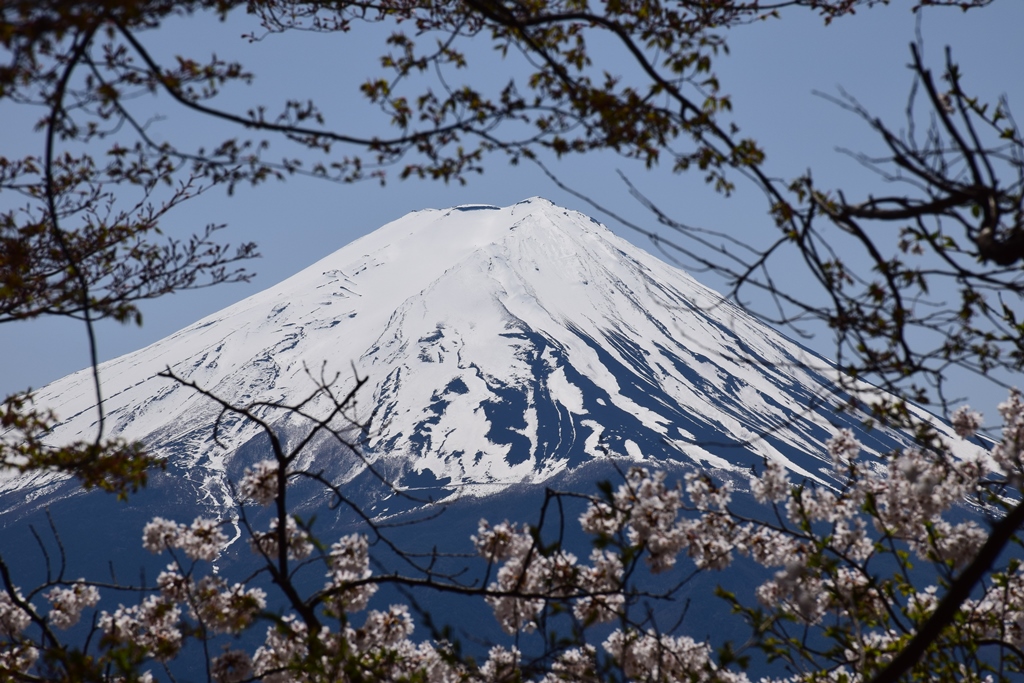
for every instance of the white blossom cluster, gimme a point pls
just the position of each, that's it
(13, 619)
(650, 656)
(349, 562)
(260, 482)
(17, 657)
(773, 486)
(223, 608)
(578, 664)
(202, 540)
(820, 543)
(67, 603)
(379, 650)
(153, 626)
(999, 614)
(1008, 452)
(528, 579)
(646, 511)
(297, 540)
(906, 503)
(17, 654)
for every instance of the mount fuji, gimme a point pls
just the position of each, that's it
(502, 347)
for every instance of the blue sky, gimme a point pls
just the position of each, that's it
(771, 73)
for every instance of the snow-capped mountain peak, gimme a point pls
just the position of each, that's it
(502, 345)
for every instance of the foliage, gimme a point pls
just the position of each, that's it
(916, 283)
(844, 596)
(846, 602)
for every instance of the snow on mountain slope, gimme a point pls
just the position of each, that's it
(502, 346)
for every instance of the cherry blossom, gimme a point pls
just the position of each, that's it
(828, 552)
(502, 665)
(259, 483)
(151, 626)
(18, 658)
(161, 534)
(650, 656)
(202, 540)
(223, 608)
(843, 447)
(601, 584)
(578, 664)
(68, 603)
(773, 485)
(13, 619)
(299, 545)
(349, 562)
(966, 422)
(234, 666)
(283, 648)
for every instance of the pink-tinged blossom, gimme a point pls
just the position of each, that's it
(955, 544)
(260, 483)
(408, 661)
(652, 656)
(797, 590)
(1012, 412)
(818, 505)
(299, 545)
(283, 648)
(850, 591)
(501, 541)
(67, 603)
(773, 485)
(173, 585)
(919, 488)
(652, 512)
(17, 658)
(203, 540)
(531, 574)
(349, 562)
(850, 537)
(602, 519)
(1007, 453)
(502, 665)
(384, 629)
(381, 650)
(223, 608)
(843, 448)
(350, 557)
(770, 547)
(152, 625)
(601, 584)
(709, 541)
(340, 598)
(966, 422)
(704, 494)
(13, 619)
(161, 534)
(578, 665)
(527, 579)
(234, 666)
(647, 510)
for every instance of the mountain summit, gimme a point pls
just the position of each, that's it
(501, 345)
